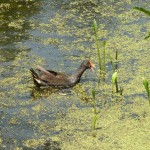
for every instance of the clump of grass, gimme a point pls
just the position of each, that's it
(95, 111)
(146, 85)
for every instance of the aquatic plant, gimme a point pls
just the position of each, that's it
(112, 65)
(147, 36)
(146, 85)
(114, 82)
(95, 111)
(97, 44)
(104, 55)
(147, 12)
(101, 54)
(113, 61)
(116, 57)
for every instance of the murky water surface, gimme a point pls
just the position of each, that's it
(58, 35)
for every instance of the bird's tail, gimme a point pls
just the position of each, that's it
(35, 77)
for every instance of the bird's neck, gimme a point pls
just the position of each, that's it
(78, 73)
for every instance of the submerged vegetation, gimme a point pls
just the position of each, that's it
(60, 36)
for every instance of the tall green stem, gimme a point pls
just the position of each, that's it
(116, 83)
(95, 111)
(97, 44)
(94, 100)
(146, 85)
(104, 53)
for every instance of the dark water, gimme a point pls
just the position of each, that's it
(57, 33)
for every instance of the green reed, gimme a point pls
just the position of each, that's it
(115, 82)
(145, 11)
(116, 57)
(95, 111)
(104, 56)
(114, 63)
(146, 85)
(97, 44)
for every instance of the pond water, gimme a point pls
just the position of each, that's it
(58, 35)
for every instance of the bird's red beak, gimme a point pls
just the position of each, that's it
(92, 66)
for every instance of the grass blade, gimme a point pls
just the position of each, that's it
(146, 85)
(147, 12)
(115, 82)
(95, 111)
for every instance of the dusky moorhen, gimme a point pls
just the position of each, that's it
(57, 79)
